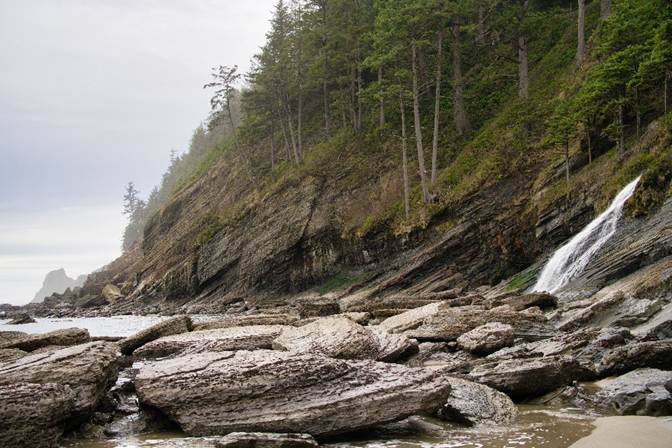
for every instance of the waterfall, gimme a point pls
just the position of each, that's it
(571, 259)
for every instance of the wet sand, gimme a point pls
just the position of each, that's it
(629, 432)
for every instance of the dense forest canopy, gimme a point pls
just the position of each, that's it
(451, 92)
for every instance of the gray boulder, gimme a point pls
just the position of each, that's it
(254, 337)
(273, 391)
(88, 369)
(33, 415)
(487, 338)
(266, 440)
(339, 337)
(655, 354)
(640, 392)
(475, 404)
(21, 319)
(175, 325)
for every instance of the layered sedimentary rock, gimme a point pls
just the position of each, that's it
(474, 404)
(63, 338)
(272, 391)
(175, 325)
(340, 337)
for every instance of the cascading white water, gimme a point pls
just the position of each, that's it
(571, 259)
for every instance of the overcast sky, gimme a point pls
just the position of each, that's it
(94, 93)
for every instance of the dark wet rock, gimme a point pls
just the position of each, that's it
(487, 338)
(255, 337)
(659, 332)
(33, 415)
(175, 325)
(340, 337)
(266, 440)
(640, 392)
(475, 404)
(654, 354)
(88, 369)
(274, 391)
(522, 302)
(533, 377)
(64, 338)
(20, 319)
(439, 322)
(10, 354)
(247, 320)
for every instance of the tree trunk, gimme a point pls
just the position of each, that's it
(353, 98)
(581, 48)
(418, 128)
(359, 93)
(437, 106)
(480, 36)
(567, 168)
(523, 69)
(292, 135)
(605, 9)
(272, 144)
(325, 87)
(404, 157)
(590, 148)
(667, 77)
(621, 132)
(382, 99)
(283, 128)
(459, 114)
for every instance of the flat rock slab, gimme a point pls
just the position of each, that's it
(528, 378)
(88, 370)
(9, 337)
(273, 391)
(33, 415)
(10, 354)
(175, 325)
(65, 338)
(476, 404)
(254, 337)
(266, 440)
(340, 337)
(247, 320)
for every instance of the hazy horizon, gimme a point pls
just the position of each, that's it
(93, 94)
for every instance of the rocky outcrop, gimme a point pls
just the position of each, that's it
(175, 325)
(475, 404)
(519, 303)
(340, 337)
(487, 338)
(641, 392)
(272, 391)
(57, 282)
(63, 338)
(20, 319)
(255, 337)
(655, 354)
(266, 440)
(87, 369)
(528, 378)
(33, 415)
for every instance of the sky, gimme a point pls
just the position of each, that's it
(94, 94)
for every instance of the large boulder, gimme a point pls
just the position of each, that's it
(175, 325)
(339, 337)
(111, 293)
(63, 338)
(8, 338)
(274, 391)
(640, 392)
(33, 415)
(528, 378)
(655, 354)
(487, 338)
(475, 404)
(21, 319)
(266, 440)
(254, 337)
(88, 370)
